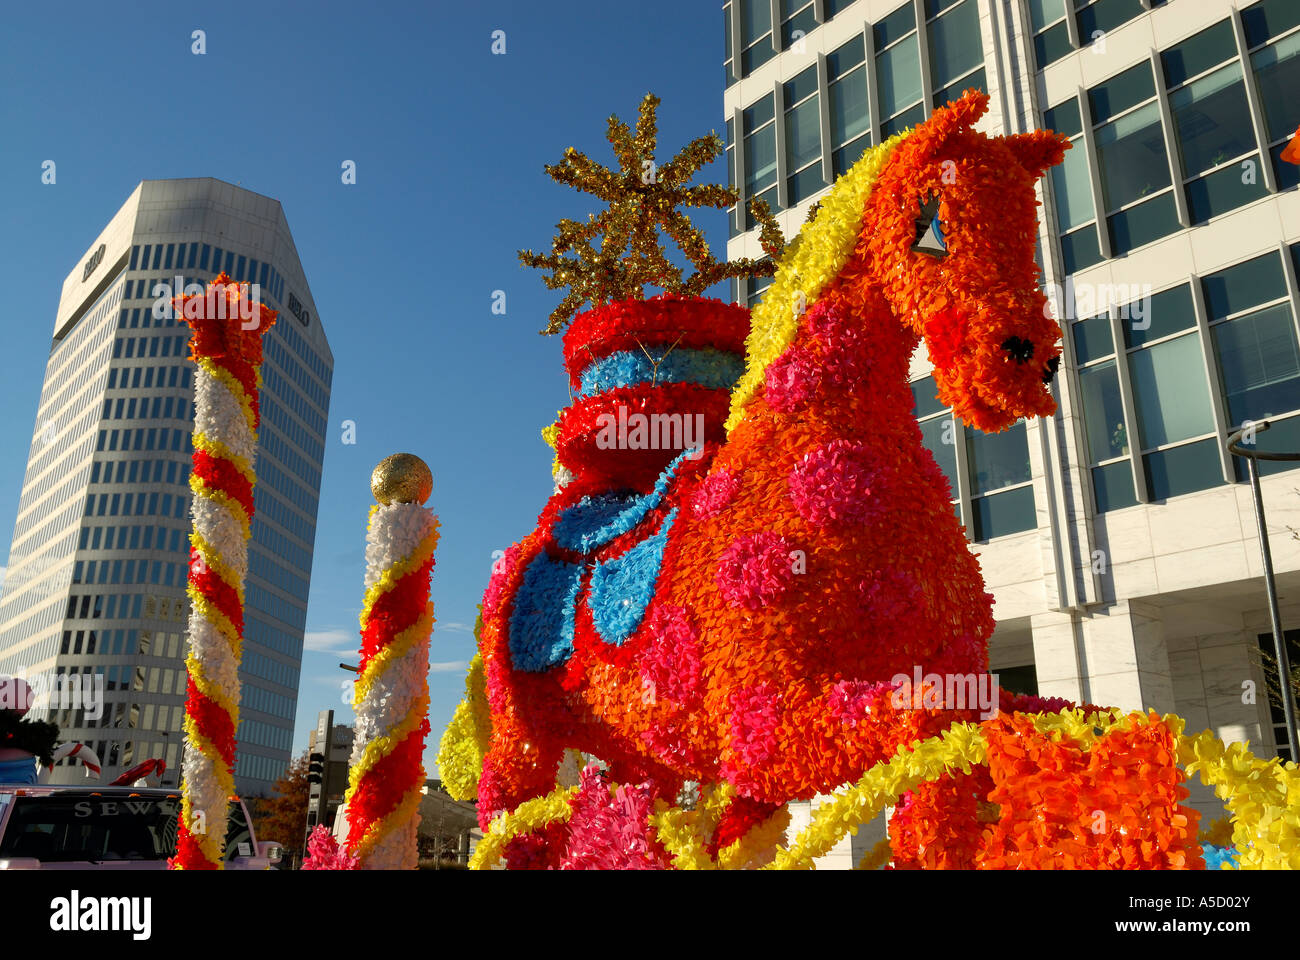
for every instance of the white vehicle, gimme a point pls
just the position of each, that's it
(110, 828)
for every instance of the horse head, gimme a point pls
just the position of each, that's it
(952, 244)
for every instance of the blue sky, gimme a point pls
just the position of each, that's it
(449, 141)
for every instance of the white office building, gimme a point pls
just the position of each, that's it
(94, 599)
(1117, 537)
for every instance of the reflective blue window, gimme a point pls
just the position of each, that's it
(955, 46)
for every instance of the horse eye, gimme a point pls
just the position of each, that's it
(929, 231)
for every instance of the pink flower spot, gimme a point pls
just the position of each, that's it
(610, 828)
(835, 483)
(850, 700)
(755, 570)
(670, 665)
(753, 724)
(670, 746)
(845, 349)
(501, 569)
(714, 493)
(792, 378)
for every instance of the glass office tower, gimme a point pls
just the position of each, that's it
(94, 598)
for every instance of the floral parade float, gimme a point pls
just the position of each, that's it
(226, 347)
(737, 615)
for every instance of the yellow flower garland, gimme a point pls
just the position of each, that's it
(1263, 796)
(817, 258)
(555, 807)
(876, 857)
(465, 741)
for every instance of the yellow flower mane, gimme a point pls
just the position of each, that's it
(810, 263)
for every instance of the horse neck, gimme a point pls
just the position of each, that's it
(865, 351)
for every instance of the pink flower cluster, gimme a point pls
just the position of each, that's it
(714, 493)
(753, 724)
(496, 585)
(835, 483)
(610, 830)
(671, 663)
(845, 347)
(792, 379)
(755, 569)
(324, 853)
(850, 700)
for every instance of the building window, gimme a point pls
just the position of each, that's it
(759, 123)
(1071, 181)
(728, 41)
(1102, 16)
(1254, 334)
(1131, 156)
(956, 48)
(755, 35)
(734, 226)
(1216, 142)
(938, 430)
(1105, 430)
(898, 71)
(1002, 497)
(1051, 33)
(1274, 40)
(1171, 396)
(1268, 661)
(846, 73)
(798, 19)
(803, 136)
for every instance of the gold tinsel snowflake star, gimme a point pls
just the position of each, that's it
(643, 200)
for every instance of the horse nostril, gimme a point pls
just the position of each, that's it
(1049, 371)
(1022, 350)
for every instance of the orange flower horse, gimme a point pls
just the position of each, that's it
(736, 611)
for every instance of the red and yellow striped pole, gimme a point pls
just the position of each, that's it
(391, 697)
(226, 346)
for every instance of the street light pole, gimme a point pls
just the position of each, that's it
(1270, 585)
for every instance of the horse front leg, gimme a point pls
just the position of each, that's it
(522, 763)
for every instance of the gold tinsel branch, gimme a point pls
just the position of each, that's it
(643, 201)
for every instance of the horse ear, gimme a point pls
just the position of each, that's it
(959, 114)
(1038, 150)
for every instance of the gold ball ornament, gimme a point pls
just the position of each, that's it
(401, 478)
